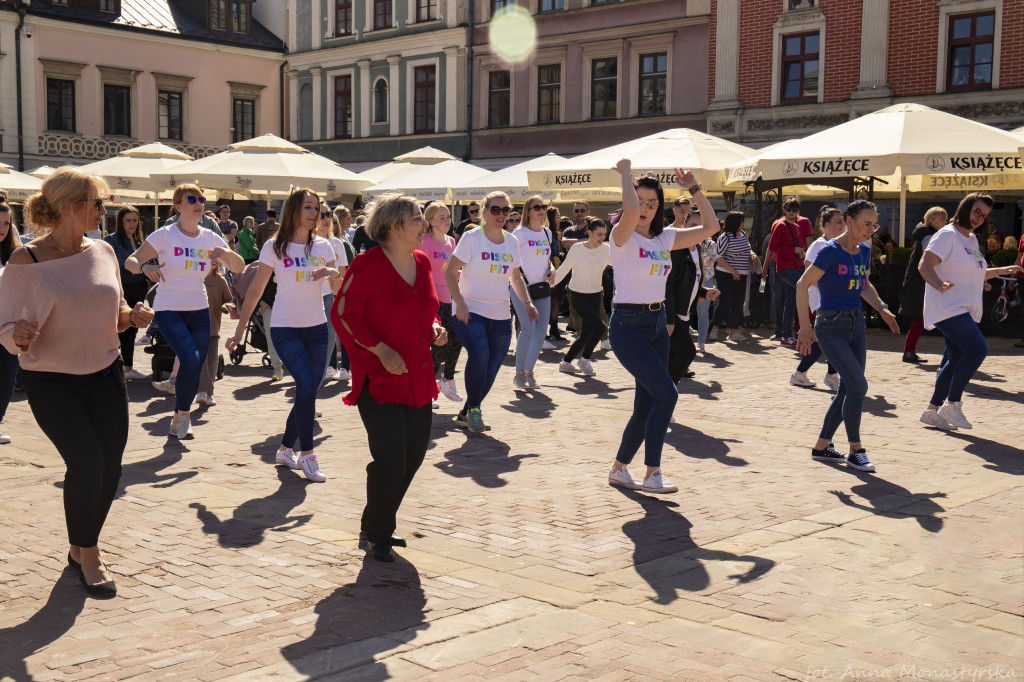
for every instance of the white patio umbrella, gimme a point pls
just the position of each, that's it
(406, 163)
(512, 180)
(660, 154)
(19, 186)
(264, 164)
(429, 183)
(902, 140)
(42, 172)
(132, 170)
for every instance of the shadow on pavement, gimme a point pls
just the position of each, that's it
(383, 609)
(47, 625)
(250, 520)
(146, 471)
(593, 387)
(891, 500)
(879, 406)
(483, 459)
(696, 444)
(1000, 456)
(662, 532)
(532, 404)
(703, 391)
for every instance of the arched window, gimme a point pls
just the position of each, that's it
(380, 101)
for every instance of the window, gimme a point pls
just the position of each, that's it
(381, 14)
(604, 87)
(380, 101)
(800, 67)
(499, 99)
(499, 5)
(117, 110)
(168, 106)
(653, 83)
(549, 93)
(426, 10)
(343, 107)
(243, 119)
(971, 43)
(424, 88)
(219, 15)
(110, 6)
(343, 18)
(552, 5)
(241, 14)
(60, 105)
(799, 4)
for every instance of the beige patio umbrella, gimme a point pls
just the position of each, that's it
(428, 183)
(42, 172)
(263, 165)
(660, 154)
(132, 170)
(406, 163)
(19, 186)
(512, 180)
(902, 140)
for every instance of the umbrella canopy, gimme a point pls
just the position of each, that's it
(264, 164)
(406, 163)
(429, 183)
(660, 154)
(132, 170)
(511, 180)
(42, 172)
(19, 186)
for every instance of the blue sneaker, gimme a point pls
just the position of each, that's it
(476, 420)
(859, 461)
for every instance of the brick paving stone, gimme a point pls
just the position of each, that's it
(523, 563)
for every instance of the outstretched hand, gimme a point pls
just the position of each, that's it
(685, 178)
(624, 167)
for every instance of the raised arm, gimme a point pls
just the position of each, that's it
(626, 226)
(690, 236)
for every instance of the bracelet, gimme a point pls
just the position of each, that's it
(130, 321)
(695, 188)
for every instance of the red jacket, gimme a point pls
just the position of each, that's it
(378, 305)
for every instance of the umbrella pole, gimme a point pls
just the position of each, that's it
(903, 209)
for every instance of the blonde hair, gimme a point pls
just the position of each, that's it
(495, 195)
(1010, 243)
(179, 194)
(931, 213)
(335, 221)
(66, 185)
(248, 219)
(386, 212)
(429, 211)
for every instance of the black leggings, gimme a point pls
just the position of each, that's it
(588, 306)
(730, 303)
(398, 436)
(681, 350)
(85, 416)
(448, 354)
(133, 293)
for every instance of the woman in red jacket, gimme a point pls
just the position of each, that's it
(386, 316)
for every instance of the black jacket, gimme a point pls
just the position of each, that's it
(681, 277)
(912, 292)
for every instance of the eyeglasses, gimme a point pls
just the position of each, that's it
(650, 203)
(99, 204)
(324, 215)
(474, 211)
(580, 210)
(538, 207)
(500, 210)
(192, 199)
(979, 214)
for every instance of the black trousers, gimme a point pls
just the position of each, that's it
(8, 376)
(588, 306)
(398, 436)
(133, 293)
(448, 354)
(85, 416)
(730, 304)
(681, 350)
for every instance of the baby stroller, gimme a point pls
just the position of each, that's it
(255, 335)
(163, 356)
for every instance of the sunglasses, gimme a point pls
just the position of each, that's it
(538, 207)
(474, 210)
(99, 204)
(192, 199)
(650, 203)
(500, 210)
(579, 210)
(324, 215)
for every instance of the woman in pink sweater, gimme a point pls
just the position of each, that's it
(61, 308)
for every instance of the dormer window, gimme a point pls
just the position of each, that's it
(112, 6)
(231, 15)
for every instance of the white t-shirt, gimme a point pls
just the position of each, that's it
(340, 261)
(485, 275)
(535, 250)
(300, 299)
(813, 295)
(641, 267)
(964, 264)
(186, 262)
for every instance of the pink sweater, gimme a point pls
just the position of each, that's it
(75, 300)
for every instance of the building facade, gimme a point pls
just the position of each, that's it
(787, 68)
(370, 79)
(102, 76)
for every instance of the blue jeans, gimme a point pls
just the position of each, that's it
(965, 351)
(304, 353)
(531, 334)
(332, 337)
(704, 316)
(486, 342)
(787, 293)
(843, 339)
(640, 341)
(187, 332)
(775, 311)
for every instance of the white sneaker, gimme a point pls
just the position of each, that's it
(531, 380)
(931, 417)
(548, 345)
(657, 483)
(519, 381)
(700, 346)
(164, 386)
(566, 367)
(606, 345)
(311, 468)
(713, 334)
(832, 381)
(144, 340)
(134, 374)
(738, 335)
(434, 405)
(4, 438)
(953, 413)
(183, 428)
(287, 458)
(449, 390)
(342, 374)
(202, 398)
(623, 479)
(586, 367)
(800, 379)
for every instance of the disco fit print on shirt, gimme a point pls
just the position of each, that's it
(845, 275)
(299, 301)
(186, 261)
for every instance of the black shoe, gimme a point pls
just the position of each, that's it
(74, 564)
(913, 358)
(689, 374)
(396, 539)
(829, 454)
(105, 590)
(381, 551)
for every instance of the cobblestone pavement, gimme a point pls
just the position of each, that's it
(523, 563)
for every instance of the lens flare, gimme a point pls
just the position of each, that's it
(512, 34)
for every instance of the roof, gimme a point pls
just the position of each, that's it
(177, 18)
